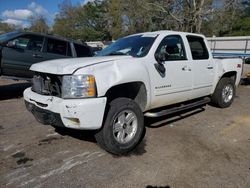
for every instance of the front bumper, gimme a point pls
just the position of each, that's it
(85, 114)
(44, 116)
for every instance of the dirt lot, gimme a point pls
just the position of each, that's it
(204, 148)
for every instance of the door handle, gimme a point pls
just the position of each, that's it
(37, 56)
(210, 67)
(186, 68)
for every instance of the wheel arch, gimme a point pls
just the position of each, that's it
(230, 74)
(133, 90)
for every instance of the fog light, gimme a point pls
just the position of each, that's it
(74, 121)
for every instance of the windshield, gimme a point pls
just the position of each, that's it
(136, 46)
(6, 36)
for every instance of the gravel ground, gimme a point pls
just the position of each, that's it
(207, 147)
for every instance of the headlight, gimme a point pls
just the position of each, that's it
(78, 86)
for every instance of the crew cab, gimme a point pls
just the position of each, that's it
(19, 50)
(148, 74)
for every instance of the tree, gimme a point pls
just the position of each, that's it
(115, 16)
(112, 19)
(242, 25)
(39, 25)
(92, 21)
(128, 17)
(84, 22)
(4, 27)
(64, 23)
(225, 14)
(138, 19)
(184, 15)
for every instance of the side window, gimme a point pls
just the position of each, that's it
(172, 47)
(57, 46)
(29, 42)
(82, 51)
(198, 47)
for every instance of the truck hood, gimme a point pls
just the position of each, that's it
(69, 66)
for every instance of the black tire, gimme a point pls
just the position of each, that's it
(220, 97)
(106, 137)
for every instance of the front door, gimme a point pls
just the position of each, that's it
(175, 85)
(17, 59)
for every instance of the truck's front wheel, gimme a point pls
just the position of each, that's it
(224, 93)
(123, 127)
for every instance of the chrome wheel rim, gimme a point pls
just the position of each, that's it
(227, 93)
(125, 126)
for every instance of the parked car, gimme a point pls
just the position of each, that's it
(19, 50)
(147, 74)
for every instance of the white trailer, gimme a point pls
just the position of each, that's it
(232, 46)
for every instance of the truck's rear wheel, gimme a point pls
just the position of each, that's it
(224, 93)
(123, 127)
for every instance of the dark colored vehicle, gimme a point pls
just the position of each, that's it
(19, 50)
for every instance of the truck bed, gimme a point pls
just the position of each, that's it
(246, 67)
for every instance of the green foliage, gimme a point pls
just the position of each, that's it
(4, 27)
(115, 14)
(64, 21)
(222, 21)
(242, 25)
(88, 22)
(112, 19)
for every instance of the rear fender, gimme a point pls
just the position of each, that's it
(231, 68)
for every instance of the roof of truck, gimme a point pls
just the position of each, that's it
(168, 31)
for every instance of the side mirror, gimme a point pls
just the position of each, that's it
(160, 57)
(12, 44)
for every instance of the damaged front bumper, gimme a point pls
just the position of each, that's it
(84, 114)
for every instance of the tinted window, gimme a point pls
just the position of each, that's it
(198, 47)
(172, 47)
(57, 46)
(82, 51)
(29, 42)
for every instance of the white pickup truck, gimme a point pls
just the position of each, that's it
(148, 74)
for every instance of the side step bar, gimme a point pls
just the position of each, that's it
(178, 109)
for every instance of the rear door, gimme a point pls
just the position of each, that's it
(16, 60)
(56, 49)
(203, 66)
